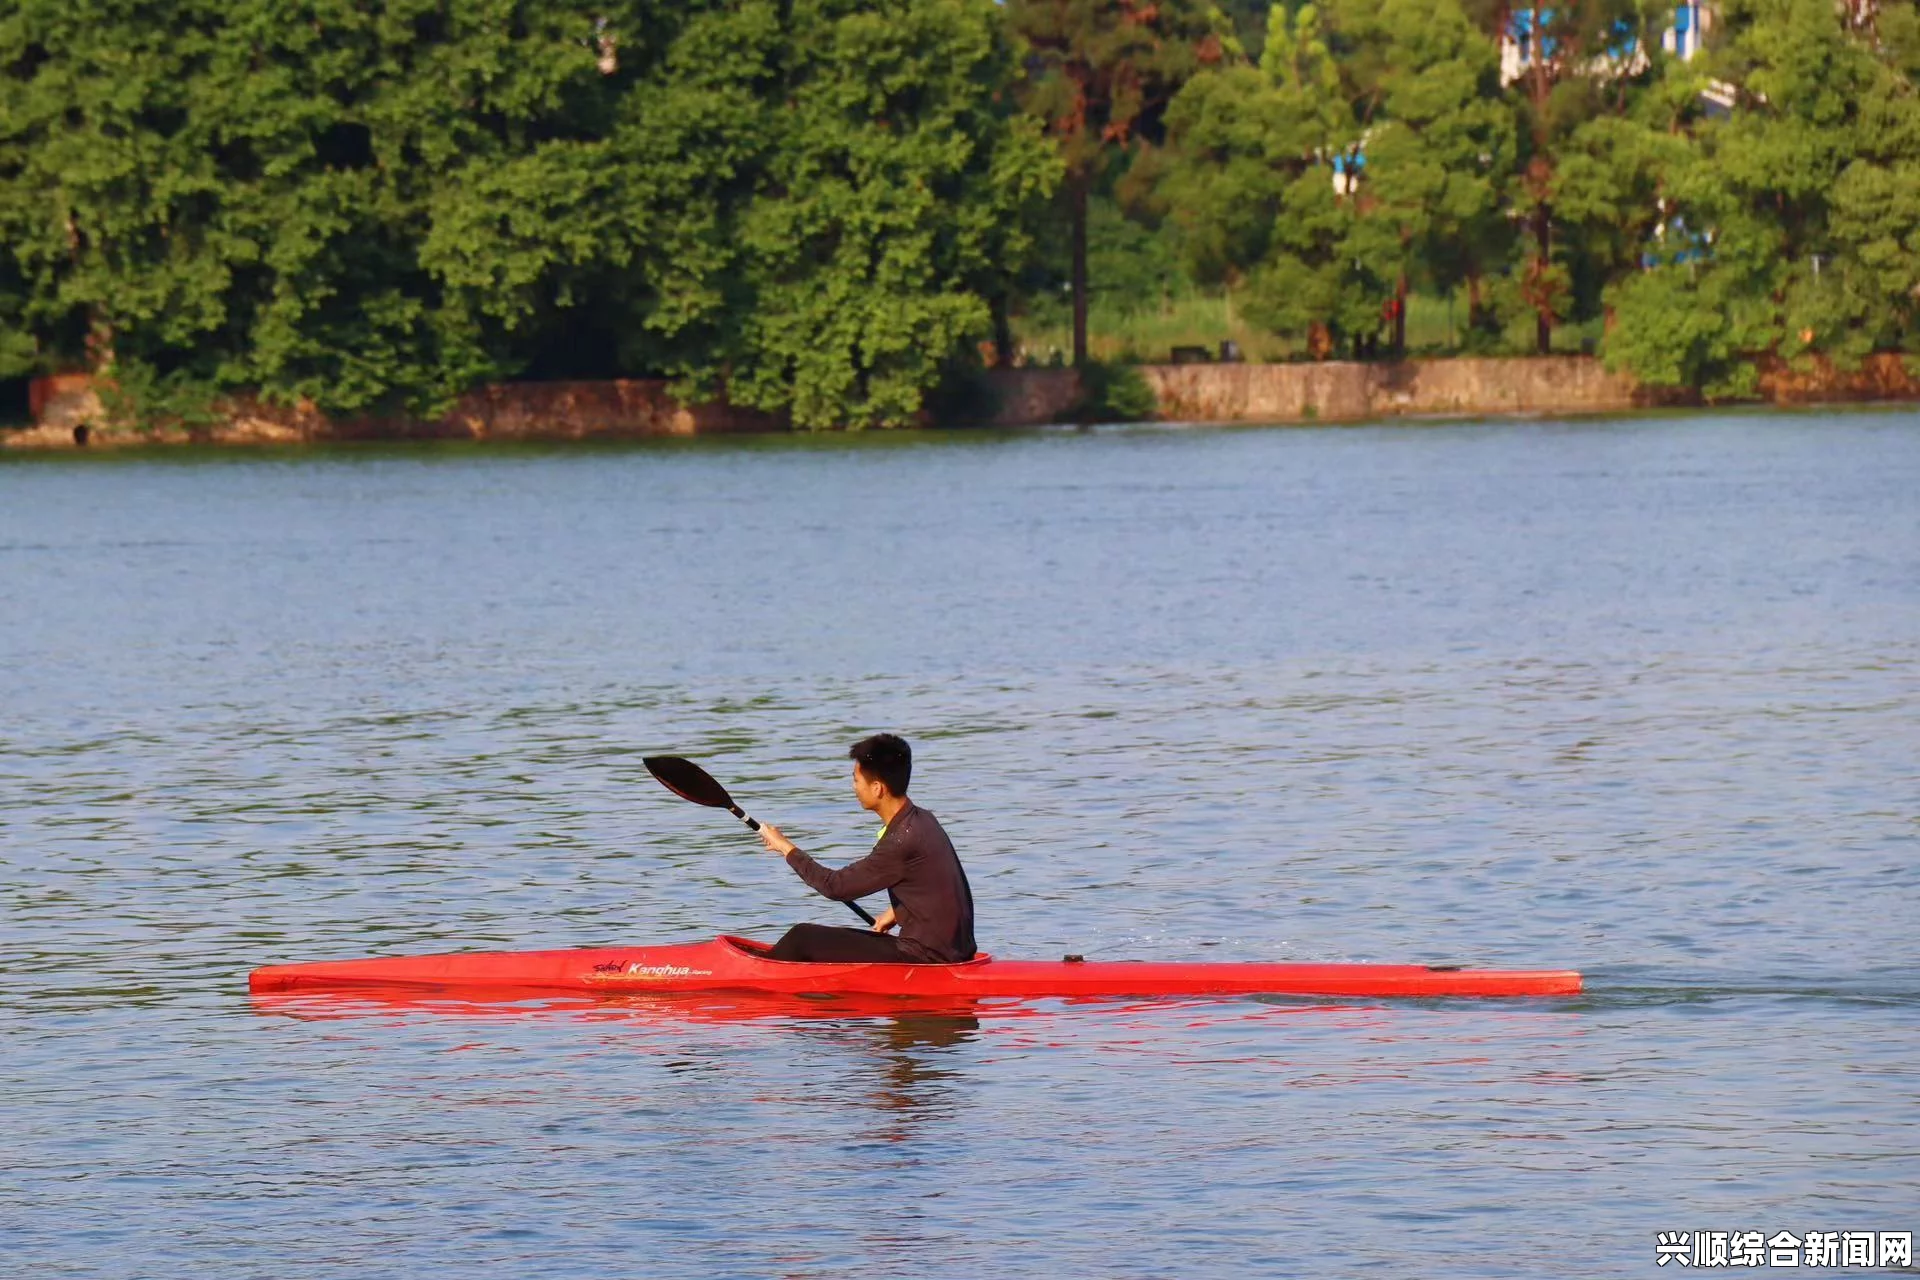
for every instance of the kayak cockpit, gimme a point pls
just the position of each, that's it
(762, 953)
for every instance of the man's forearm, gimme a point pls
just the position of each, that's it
(857, 880)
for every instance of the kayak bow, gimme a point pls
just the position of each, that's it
(740, 964)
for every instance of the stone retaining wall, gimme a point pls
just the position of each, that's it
(1337, 391)
(614, 409)
(1326, 392)
(1032, 397)
(1883, 376)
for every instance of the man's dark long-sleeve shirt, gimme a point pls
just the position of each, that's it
(915, 863)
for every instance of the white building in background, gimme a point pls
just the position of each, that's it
(1690, 24)
(1683, 37)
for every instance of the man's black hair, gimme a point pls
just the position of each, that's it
(885, 757)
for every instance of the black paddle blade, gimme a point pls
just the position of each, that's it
(688, 781)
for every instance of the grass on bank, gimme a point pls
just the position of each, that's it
(1147, 335)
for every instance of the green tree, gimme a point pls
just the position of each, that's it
(1250, 183)
(367, 111)
(1618, 177)
(891, 208)
(1436, 141)
(1368, 147)
(19, 348)
(203, 197)
(1100, 74)
(1797, 232)
(366, 207)
(1575, 61)
(107, 176)
(806, 206)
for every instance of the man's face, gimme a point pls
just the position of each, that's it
(868, 791)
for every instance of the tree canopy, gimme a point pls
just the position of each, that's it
(825, 208)
(367, 206)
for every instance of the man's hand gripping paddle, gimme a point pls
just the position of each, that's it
(690, 782)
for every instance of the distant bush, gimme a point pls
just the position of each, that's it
(1116, 392)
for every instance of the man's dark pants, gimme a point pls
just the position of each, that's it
(842, 945)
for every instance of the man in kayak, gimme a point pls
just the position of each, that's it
(927, 892)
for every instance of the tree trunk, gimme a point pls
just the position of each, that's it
(99, 340)
(1400, 318)
(1319, 340)
(1543, 315)
(1002, 334)
(1077, 193)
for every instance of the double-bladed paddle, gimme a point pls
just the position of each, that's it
(690, 782)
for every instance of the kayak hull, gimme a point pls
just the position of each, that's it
(728, 963)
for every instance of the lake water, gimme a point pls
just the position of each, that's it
(1638, 698)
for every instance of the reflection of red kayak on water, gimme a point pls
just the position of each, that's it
(739, 964)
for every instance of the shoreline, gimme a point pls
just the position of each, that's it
(68, 414)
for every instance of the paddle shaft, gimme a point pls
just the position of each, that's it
(752, 825)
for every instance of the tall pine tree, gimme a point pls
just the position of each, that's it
(1100, 74)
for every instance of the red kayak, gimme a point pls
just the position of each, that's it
(740, 964)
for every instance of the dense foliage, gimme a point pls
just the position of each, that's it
(1794, 223)
(825, 207)
(1757, 200)
(1099, 76)
(367, 206)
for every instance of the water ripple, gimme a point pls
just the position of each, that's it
(1633, 698)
